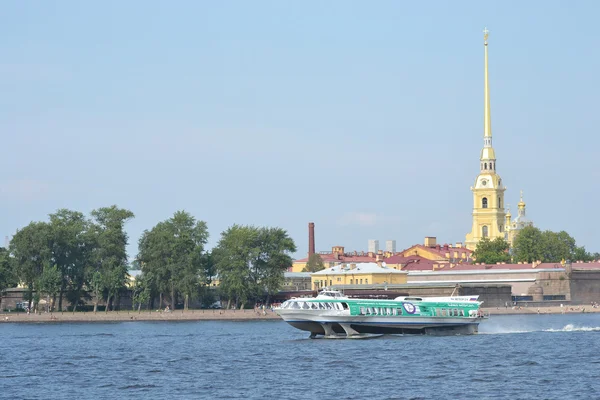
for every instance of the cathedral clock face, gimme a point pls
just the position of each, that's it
(484, 182)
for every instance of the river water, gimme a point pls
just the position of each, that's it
(513, 357)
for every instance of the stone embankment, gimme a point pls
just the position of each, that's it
(117, 316)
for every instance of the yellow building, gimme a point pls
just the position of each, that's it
(356, 274)
(489, 217)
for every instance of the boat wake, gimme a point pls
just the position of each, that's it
(566, 328)
(573, 328)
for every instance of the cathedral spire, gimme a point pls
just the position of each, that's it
(487, 128)
(488, 156)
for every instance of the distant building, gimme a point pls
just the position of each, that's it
(373, 246)
(362, 274)
(514, 227)
(390, 246)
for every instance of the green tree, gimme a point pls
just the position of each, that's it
(107, 270)
(70, 253)
(531, 244)
(251, 262)
(492, 251)
(172, 254)
(8, 277)
(314, 264)
(273, 259)
(556, 246)
(527, 245)
(49, 282)
(140, 292)
(234, 255)
(31, 250)
(580, 254)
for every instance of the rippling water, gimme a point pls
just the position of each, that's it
(514, 357)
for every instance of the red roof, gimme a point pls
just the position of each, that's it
(399, 259)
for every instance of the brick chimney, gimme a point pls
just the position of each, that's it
(311, 238)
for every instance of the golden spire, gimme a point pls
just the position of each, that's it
(521, 202)
(487, 119)
(487, 153)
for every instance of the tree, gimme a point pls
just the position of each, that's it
(49, 282)
(31, 250)
(172, 255)
(107, 271)
(273, 259)
(492, 251)
(531, 244)
(140, 291)
(70, 253)
(580, 254)
(314, 264)
(8, 277)
(251, 262)
(527, 245)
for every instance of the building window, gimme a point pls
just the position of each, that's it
(485, 166)
(351, 281)
(499, 202)
(361, 281)
(366, 281)
(484, 202)
(484, 231)
(500, 228)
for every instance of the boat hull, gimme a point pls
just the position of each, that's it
(320, 324)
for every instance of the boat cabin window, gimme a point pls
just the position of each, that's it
(314, 306)
(399, 311)
(295, 305)
(362, 311)
(443, 312)
(345, 306)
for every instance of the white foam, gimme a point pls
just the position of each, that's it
(573, 328)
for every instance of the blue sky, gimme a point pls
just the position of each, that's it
(365, 118)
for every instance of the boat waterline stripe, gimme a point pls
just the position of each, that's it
(382, 323)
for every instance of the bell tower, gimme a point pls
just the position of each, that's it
(488, 193)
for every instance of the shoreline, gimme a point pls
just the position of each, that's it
(130, 316)
(232, 315)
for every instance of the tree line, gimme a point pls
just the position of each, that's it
(532, 244)
(76, 259)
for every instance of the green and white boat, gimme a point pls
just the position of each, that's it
(332, 314)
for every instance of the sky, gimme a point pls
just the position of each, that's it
(365, 118)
